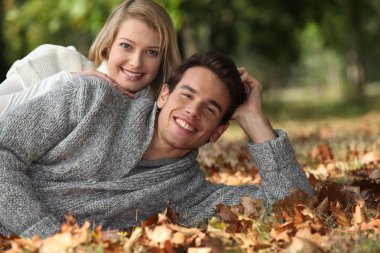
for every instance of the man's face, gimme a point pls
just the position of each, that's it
(190, 116)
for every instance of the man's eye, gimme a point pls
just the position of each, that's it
(210, 110)
(186, 95)
(125, 45)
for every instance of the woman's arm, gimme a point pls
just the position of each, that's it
(12, 100)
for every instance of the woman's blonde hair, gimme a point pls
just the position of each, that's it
(155, 16)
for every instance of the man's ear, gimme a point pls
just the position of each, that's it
(163, 96)
(219, 131)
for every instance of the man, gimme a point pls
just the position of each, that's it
(87, 149)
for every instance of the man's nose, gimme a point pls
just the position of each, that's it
(193, 110)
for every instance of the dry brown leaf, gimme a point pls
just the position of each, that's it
(281, 233)
(225, 213)
(58, 243)
(252, 208)
(299, 244)
(158, 235)
(322, 152)
(296, 196)
(359, 213)
(373, 224)
(199, 250)
(316, 238)
(178, 238)
(323, 207)
(369, 157)
(374, 175)
(340, 216)
(320, 172)
(128, 245)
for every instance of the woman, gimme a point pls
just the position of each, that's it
(136, 48)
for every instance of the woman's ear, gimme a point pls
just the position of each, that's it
(218, 132)
(163, 96)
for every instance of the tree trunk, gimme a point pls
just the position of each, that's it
(355, 68)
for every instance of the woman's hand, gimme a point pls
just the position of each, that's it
(94, 72)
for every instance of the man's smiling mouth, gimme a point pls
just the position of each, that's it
(185, 125)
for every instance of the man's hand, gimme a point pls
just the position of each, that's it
(250, 115)
(94, 72)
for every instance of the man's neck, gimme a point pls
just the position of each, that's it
(157, 150)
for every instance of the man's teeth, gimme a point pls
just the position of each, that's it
(133, 74)
(185, 125)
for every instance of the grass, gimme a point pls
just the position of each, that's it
(286, 114)
(316, 110)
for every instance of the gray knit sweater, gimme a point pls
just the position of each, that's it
(75, 150)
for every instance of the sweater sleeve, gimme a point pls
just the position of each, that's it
(47, 60)
(26, 134)
(10, 100)
(279, 170)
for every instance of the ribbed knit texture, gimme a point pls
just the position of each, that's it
(47, 60)
(75, 148)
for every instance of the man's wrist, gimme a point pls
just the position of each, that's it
(257, 127)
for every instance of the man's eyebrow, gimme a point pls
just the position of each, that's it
(211, 101)
(187, 87)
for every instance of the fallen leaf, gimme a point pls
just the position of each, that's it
(252, 208)
(296, 196)
(359, 213)
(340, 216)
(225, 213)
(199, 250)
(369, 157)
(303, 245)
(158, 235)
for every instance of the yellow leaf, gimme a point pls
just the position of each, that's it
(359, 214)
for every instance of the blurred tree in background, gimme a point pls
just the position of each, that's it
(323, 46)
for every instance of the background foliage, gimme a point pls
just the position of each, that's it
(329, 49)
(318, 61)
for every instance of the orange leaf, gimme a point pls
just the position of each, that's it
(295, 197)
(340, 216)
(359, 214)
(369, 157)
(299, 244)
(252, 208)
(225, 213)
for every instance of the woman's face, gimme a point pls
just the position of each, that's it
(134, 57)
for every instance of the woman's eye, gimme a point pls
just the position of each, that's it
(125, 45)
(152, 52)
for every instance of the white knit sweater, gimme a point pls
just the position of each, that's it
(44, 69)
(47, 60)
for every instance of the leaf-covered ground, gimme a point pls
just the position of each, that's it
(341, 158)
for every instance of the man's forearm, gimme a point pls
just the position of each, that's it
(278, 167)
(257, 127)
